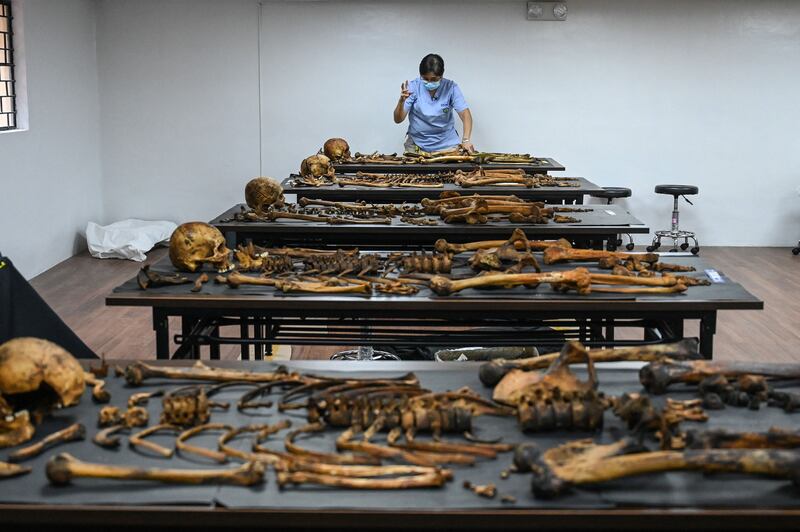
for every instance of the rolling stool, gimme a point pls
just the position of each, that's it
(796, 251)
(610, 194)
(675, 233)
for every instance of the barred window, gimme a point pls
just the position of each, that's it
(8, 111)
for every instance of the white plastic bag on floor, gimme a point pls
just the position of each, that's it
(127, 239)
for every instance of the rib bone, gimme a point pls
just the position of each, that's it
(75, 432)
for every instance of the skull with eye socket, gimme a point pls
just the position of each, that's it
(196, 243)
(36, 377)
(336, 150)
(261, 193)
(317, 166)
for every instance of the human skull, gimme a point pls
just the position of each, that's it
(36, 376)
(263, 192)
(196, 243)
(316, 166)
(336, 149)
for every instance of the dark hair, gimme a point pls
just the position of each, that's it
(431, 64)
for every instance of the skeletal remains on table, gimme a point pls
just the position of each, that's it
(365, 179)
(583, 463)
(580, 280)
(511, 177)
(477, 209)
(743, 384)
(36, 377)
(64, 468)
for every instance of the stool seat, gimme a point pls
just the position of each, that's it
(677, 190)
(612, 193)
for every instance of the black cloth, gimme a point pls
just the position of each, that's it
(23, 312)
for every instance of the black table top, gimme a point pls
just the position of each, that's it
(542, 165)
(488, 303)
(415, 194)
(657, 501)
(600, 219)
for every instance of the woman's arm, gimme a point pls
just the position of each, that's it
(466, 119)
(400, 112)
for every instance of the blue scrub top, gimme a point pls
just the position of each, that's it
(431, 124)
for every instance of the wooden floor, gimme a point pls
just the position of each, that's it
(76, 289)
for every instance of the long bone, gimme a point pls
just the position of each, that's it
(75, 432)
(454, 199)
(271, 216)
(774, 438)
(556, 254)
(138, 372)
(510, 180)
(581, 463)
(578, 279)
(443, 246)
(301, 253)
(437, 478)
(491, 372)
(332, 286)
(656, 377)
(63, 468)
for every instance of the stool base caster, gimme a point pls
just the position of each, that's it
(695, 250)
(353, 354)
(630, 247)
(795, 251)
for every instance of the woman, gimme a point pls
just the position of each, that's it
(429, 102)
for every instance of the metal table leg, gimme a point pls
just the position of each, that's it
(161, 327)
(244, 333)
(708, 327)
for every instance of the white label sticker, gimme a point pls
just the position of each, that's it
(610, 213)
(714, 276)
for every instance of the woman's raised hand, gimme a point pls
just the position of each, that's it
(404, 92)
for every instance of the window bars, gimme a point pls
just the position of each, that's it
(8, 114)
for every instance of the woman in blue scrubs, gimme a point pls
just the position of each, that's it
(430, 101)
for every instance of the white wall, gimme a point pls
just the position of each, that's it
(179, 101)
(625, 92)
(50, 174)
(630, 93)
